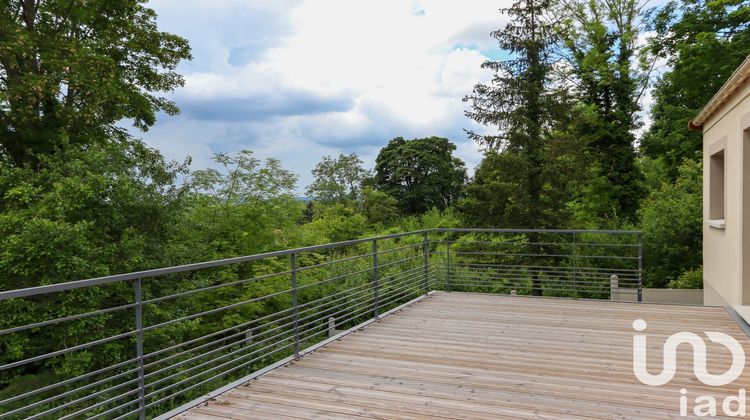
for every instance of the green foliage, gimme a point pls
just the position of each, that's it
(671, 219)
(420, 173)
(378, 207)
(334, 223)
(97, 211)
(338, 180)
(601, 38)
(511, 186)
(703, 42)
(244, 207)
(78, 68)
(690, 279)
(91, 212)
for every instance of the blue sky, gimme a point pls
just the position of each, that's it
(297, 80)
(300, 79)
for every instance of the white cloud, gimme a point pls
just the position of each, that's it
(297, 80)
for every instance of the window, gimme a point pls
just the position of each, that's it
(716, 189)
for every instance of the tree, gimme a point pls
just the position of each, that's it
(334, 222)
(420, 173)
(524, 105)
(71, 70)
(703, 42)
(241, 208)
(672, 223)
(338, 179)
(378, 207)
(95, 211)
(600, 36)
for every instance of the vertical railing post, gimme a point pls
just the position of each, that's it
(426, 251)
(640, 267)
(375, 304)
(448, 272)
(295, 309)
(575, 266)
(139, 348)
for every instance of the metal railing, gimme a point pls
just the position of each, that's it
(142, 344)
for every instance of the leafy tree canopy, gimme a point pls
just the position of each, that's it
(600, 44)
(70, 70)
(241, 207)
(671, 219)
(338, 179)
(703, 42)
(420, 173)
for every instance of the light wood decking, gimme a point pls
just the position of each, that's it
(476, 356)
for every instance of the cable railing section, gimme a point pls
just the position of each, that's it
(561, 263)
(142, 344)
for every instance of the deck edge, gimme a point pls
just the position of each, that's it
(258, 373)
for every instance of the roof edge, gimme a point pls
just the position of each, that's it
(730, 86)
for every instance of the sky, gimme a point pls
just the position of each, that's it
(297, 80)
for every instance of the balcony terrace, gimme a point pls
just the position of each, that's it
(479, 356)
(455, 323)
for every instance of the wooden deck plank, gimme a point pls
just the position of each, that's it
(477, 356)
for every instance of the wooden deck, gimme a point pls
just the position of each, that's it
(476, 356)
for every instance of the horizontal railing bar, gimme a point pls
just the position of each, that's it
(219, 358)
(215, 310)
(105, 402)
(66, 350)
(128, 414)
(194, 340)
(240, 333)
(66, 382)
(234, 360)
(363, 286)
(561, 280)
(255, 337)
(64, 319)
(60, 287)
(518, 280)
(74, 391)
(119, 407)
(388, 264)
(545, 274)
(217, 286)
(215, 376)
(318, 320)
(549, 274)
(202, 355)
(583, 286)
(550, 231)
(502, 254)
(86, 398)
(278, 363)
(575, 244)
(330, 279)
(587, 291)
(323, 318)
(327, 263)
(417, 245)
(628, 270)
(393, 296)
